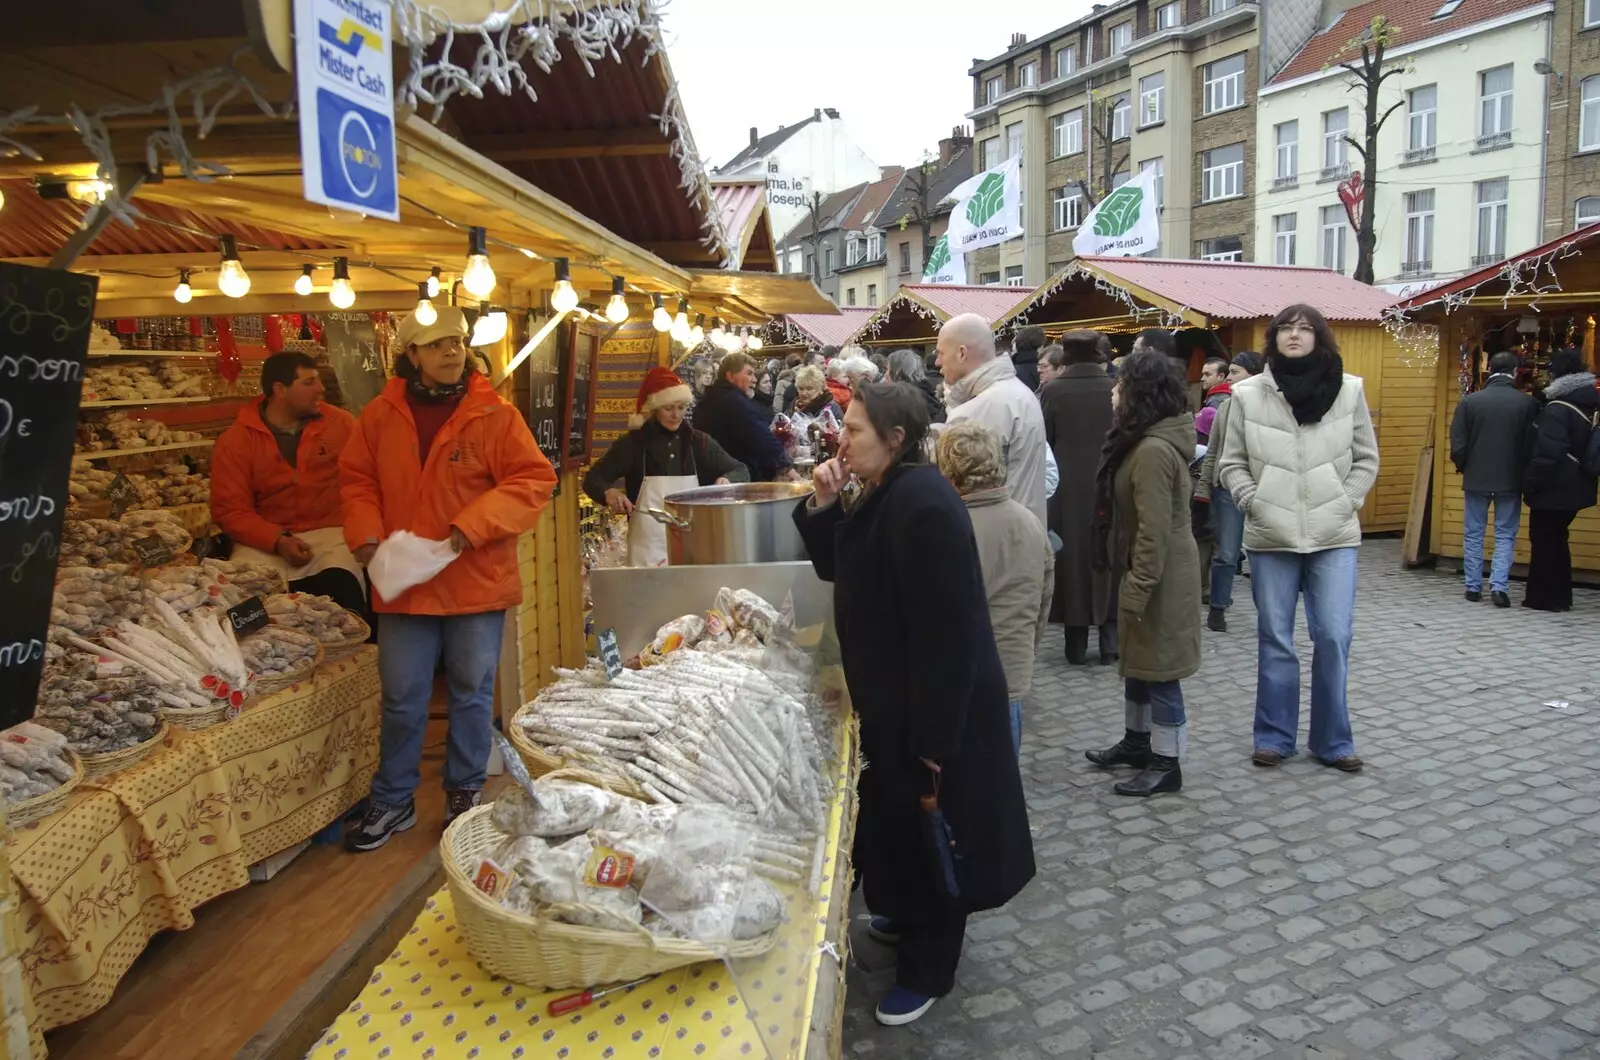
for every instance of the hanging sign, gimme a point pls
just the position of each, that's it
(1352, 192)
(345, 80)
(1123, 224)
(249, 616)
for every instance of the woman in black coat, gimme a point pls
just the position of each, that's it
(1556, 488)
(925, 677)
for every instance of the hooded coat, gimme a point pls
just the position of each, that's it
(1077, 414)
(926, 680)
(1555, 482)
(1158, 601)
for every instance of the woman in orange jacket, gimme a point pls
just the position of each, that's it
(440, 454)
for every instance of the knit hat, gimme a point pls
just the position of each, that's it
(660, 387)
(1249, 360)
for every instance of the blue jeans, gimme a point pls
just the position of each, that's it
(1016, 727)
(1328, 580)
(1507, 521)
(409, 647)
(1156, 707)
(1227, 523)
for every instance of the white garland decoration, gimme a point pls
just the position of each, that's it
(873, 324)
(1159, 316)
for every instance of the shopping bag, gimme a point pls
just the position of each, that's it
(404, 561)
(941, 843)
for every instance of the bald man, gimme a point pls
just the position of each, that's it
(984, 387)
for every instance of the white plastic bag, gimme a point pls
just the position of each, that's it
(405, 560)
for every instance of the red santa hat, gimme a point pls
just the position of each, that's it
(660, 387)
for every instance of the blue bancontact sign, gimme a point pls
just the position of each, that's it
(346, 94)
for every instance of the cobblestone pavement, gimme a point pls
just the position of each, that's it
(1444, 903)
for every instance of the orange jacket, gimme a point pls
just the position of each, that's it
(840, 391)
(485, 476)
(256, 495)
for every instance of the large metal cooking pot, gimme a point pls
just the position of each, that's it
(746, 522)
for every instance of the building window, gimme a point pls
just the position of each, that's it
(988, 153)
(1222, 248)
(1055, 267)
(1158, 167)
(827, 261)
(1283, 237)
(1219, 6)
(905, 258)
(1169, 15)
(852, 252)
(1589, 114)
(850, 296)
(993, 88)
(1494, 107)
(1119, 178)
(1492, 204)
(1013, 275)
(1067, 60)
(1121, 37)
(1152, 99)
(811, 264)
(1223, 84)
(1121, 112)
(1286, 154)
(988, 278)
(1419, 234)
(1335, 151)
(1223, 173)
(1422, 123)
(1014, 140)
(1588, 211)
(1066, 133)
(1028, 75)
(1334, 229)
(874, 246)
(872, 294)
(1066, 207)
(1591, 12)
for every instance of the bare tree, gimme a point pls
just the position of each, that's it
(1105, 162)
(922, 207)
(814, 210)
(1368, 75)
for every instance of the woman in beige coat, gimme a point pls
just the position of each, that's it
(1018, 563)
(1142, 515)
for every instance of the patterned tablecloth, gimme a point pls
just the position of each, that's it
(431, 1000)
(135, 853)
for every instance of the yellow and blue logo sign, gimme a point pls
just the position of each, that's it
(358, 158)
(350, 37)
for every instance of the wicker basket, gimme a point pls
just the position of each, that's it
(265, 686)
(577, 766)
(343, 649)
(97, 766)
(194, 719)
(545, 954)
(41, 806)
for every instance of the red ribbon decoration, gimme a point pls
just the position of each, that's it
(272, 327)
(1352, 192)
(228, 363)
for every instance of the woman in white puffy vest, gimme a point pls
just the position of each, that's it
(1299, 457)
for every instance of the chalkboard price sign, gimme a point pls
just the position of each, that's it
(121, 492)
(248, 617)
(547, 391)
(152, 551)
(45, 319)
(579, 431)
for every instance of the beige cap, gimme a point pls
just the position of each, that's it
(452, 321)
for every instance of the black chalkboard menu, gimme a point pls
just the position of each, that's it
(579, 431)
(352, 341)
(45, 319)
(547, 390)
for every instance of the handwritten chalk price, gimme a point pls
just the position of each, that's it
(152, 552)
(248, 616)
(121, 492)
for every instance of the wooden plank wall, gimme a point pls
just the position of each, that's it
(549, 624)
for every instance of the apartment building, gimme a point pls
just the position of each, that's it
(1571, 75)
(1461, 163)
(922, 195)
(1168, 85)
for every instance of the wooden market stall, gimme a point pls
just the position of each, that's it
(1534, 304)
(1227, 306)
(912, 318)
(183, 134)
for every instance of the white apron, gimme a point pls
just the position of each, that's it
(647, 538)
(328, 551)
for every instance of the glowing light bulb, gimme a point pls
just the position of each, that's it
(680, 322)
(342, 294)
(617, 308)
(478, 277)
(490, 328)
(232, 280)
(433, 283)
(661, 320)
(302, 283)
(183, 293)
(753, 341)
(697, 334)
(563, 299)
(89, 192)
(718, 336)
(425, 314)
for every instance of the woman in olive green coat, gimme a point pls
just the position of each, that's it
(1142, 509)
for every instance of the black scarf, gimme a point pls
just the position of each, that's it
(1310, 384)
(1119, 444)
(443, 394)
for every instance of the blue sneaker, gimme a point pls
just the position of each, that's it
(901, 1006)
(884, 930)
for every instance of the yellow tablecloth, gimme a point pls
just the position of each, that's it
(134, 853)
(431, 1000)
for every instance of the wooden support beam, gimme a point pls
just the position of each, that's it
(129, 180)
(579, 143)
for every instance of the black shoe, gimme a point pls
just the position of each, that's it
(1501, 599)
(1205, 599)
(1162, 775)
(1217, 620)
(1474, 595)
(458, 801)
(1132, 750)
(379, 824)
(1107, 658)
(1077, 644)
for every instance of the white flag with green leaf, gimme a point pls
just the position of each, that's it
(1124, 223)
(988, 209)
(943, 266)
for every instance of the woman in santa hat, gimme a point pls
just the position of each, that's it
(660, 455)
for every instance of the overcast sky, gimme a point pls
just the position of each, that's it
(895, 70)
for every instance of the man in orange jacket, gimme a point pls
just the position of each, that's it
(440, 454)
(275, 483)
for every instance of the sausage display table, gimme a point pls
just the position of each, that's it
(134, 853)
(432, 999)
